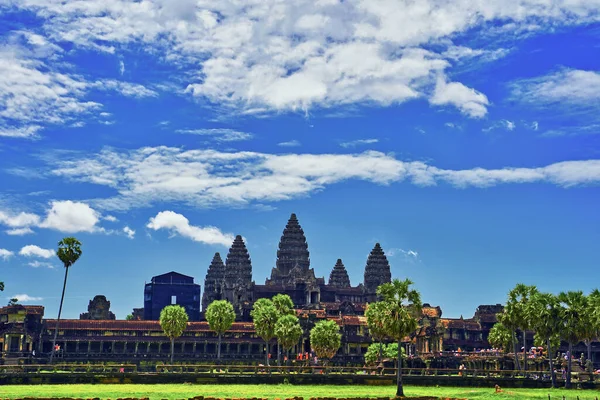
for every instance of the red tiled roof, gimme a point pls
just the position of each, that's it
(139, 325)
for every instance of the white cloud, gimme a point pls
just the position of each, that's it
(408, 254)
(6, 254)
(568, 86)
(274, 55)
(126, 89)
(110, 218)
(19, 220)
(40, 264)
(25, 298)
(209, 178)
(28, 132)
(129, 232)
(358, 142)
(121, 67)
(35, 251)
(467, 100)
(291, 143)
(179, 224)
(71, 217)
(219, 134)
(19, 231)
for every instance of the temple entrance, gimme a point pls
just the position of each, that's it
(14, 344)
(314, 297)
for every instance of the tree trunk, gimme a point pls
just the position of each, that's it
(589, 349)
(400, 389)
(516, 353)
(172, 349)
(219, 348)
(568, 381)
(524, 350)
(62, 298)
(268, 352)
(550, 360)
(278, 353)
(380, 352)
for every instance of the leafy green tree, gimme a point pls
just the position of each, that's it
(591, 330)
(13, 302)
(288, 332)
(518, 299)
(545, 313)
(173, 321)
(509, 320)
(390, 351)
(129, 317)
(325, 339)
(285, 306)
(220, 317)
(376, 314)
(1, 286)
(572, 315)
(405, 309)
(265, 316)
(69, 251)
(500, 337)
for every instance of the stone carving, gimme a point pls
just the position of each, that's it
(339, 276)
(377, 271)
(98, 309)
(214, 281)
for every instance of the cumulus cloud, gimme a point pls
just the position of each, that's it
(6, 254)
(64, 216)
(130, 233)
(467, 100)
(358, 142)
(178, 224)
(274, 55)
(25, 298)
(40, 264)
(35, 251)
(565, 86)
(219, 134)
(71, 217)
(210, 178)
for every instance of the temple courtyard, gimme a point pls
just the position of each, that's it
(185, 391)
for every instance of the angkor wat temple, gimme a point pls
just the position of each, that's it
(293, 276)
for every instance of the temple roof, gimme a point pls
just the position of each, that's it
(339, 276)
(293, 248)
(138, 325)
(172, 277)
(377, 270)
(216, 269)
(238, 266)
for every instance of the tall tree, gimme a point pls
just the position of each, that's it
(591, 329)
(220, 317)
(405, 309)
(285, 306)
(574, 308)
(288, 332)
(69, 251)
(545, 312)
(518, 299)
(500, 337)
(13, 302)
(173, 321)
(509, 319)
(265, 316)
(376, 314)
(325, 339)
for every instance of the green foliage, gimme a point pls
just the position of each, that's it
(220, 316)
(402, 308)
(1, 286)
(173, 321)
(325, 339)
(284, 304)
(265, 316)
(388, 351)
(377, 314)
(573, 315)
(540, 341)
(13, 302)
(288, 331)
(500, 337)
(129, 317)
(69, 251)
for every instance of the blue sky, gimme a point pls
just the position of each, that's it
(463, 137)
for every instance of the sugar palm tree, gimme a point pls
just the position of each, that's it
(69, 251)
(573, 320)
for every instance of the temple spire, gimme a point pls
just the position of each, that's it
(293, 249)
(339, 276)
(238, 267)
(377, 270)
(213, 283)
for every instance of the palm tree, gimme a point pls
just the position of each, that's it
(404, 310)
(520, 296)
(265, 316)
(572, 315)
(173, 321)
(544, 311)
(592, 325)
(69, 251)
(376, 316)
(288, 332)
(220, 316)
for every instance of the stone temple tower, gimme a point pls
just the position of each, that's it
(339, 276)
(214, 281)
(377, 272)
(238, 286)
(293, 258)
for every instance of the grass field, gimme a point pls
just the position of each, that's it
(183, 391)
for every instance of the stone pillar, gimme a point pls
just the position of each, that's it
(194, 348)
(112, 347)
(89, 349)
(77, 347)
(148, 347)
(136, 347)
(101, 346)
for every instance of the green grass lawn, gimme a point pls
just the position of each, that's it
(183, 391)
